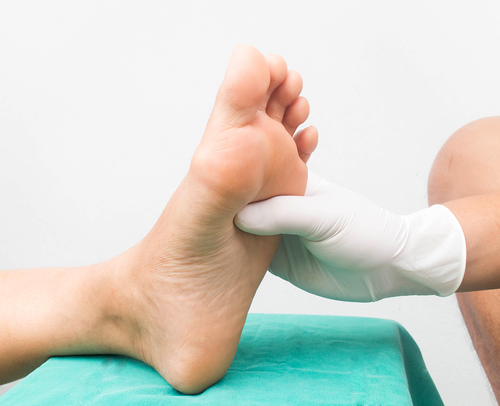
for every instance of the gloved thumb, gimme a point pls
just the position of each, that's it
(278, 215)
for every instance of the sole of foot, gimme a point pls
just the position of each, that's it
(197, 273)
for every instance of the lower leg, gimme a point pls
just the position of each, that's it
(468, 165)
(60, 311)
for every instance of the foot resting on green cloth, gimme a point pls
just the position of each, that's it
(178, 299)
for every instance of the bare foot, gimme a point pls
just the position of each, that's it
(196, 273)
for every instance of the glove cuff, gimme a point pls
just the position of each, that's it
(435, 252)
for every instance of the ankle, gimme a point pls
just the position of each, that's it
(118, 299)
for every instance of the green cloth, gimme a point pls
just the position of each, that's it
(281, 360)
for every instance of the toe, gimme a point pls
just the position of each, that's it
(244, 87)
(284, 95)
(277, 71)
(306, 141)
(296, 114)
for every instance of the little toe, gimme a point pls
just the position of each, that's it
(284, 95)
(296, 114)
(306, 141)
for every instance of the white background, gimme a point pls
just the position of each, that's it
(103, 103)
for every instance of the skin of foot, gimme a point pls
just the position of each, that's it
(177, 300)
(183, 293)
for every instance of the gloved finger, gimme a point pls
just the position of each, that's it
(278, 215)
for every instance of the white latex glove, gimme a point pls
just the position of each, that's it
(339, 245)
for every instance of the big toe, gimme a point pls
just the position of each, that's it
(244, 86)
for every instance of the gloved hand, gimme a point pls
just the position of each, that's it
(339, 245)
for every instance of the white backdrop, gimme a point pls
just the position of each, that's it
(103, 102)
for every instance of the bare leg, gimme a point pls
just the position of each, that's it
(178, 300)
(469, 165)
